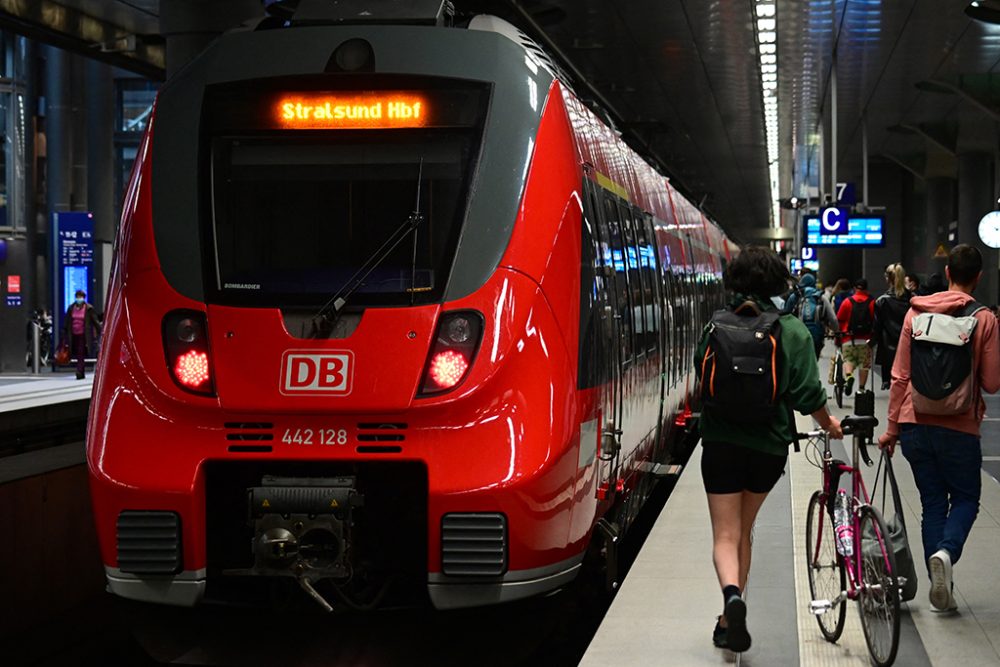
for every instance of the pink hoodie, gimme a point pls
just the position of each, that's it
(987, 368)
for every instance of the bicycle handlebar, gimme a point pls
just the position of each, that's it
(860, 426)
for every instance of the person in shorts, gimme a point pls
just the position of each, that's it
(857, 320)
(741, 462)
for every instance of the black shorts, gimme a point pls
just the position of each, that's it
(728, 468)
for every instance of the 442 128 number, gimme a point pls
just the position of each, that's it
(319, 436)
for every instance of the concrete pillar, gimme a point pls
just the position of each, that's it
(78, 134)
(191, 25)
(26, 58)
(101, 194)
(975, 198)
(58, 124)
(941, 212)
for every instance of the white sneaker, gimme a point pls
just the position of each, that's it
(940, 595)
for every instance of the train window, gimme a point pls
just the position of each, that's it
(622, 296)
(647, 261)
(595, 331)
(632, 262)
(296, 218)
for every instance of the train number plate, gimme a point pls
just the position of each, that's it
(315, 436)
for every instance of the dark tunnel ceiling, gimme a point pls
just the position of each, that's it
(682, 78)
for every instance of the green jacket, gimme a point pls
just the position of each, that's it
(799, 386)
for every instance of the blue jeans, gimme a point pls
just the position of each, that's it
(946, 467)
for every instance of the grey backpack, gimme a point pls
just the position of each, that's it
(942, 365)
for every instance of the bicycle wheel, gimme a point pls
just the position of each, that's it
(878, 597)
(827, 579)
(838, 380)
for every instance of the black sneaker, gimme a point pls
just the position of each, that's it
(849, 386)
(720, 635)
(737, 637)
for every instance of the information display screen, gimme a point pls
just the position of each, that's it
(312, 107)
(862, 230)
(799, 264)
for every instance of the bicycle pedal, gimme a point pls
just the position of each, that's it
(820, 607)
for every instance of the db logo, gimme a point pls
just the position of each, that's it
(328, 373)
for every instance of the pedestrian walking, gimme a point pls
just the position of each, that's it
(936, 407)
(81, 326)
(747, 422)
(890, 310)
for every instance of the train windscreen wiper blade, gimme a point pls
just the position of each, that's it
(327, 316)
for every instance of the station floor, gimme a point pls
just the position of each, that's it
(22, 392)
(667, 606)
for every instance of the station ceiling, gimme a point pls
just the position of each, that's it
(682, 82)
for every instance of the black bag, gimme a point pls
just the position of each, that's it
(894, 521)
(860, 323)
(739, 372)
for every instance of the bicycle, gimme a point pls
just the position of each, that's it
(839, 379)
(865, 574)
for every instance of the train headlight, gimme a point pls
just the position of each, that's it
(185, 342)
(455, 345)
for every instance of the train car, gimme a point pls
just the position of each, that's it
(393, 315)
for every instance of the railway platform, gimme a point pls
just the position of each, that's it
(667, 605)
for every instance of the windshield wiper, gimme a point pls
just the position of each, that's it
(326, 318)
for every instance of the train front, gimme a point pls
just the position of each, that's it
(320, 379)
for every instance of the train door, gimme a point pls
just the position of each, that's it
(620, 344)
(602, 353)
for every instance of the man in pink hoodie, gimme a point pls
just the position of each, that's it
(944, 450)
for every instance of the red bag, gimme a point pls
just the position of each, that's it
(62, 354)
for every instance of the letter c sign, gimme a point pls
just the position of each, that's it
(833, 221)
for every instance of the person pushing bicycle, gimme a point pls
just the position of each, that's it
(756, 365)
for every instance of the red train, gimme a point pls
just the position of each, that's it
(504, 354)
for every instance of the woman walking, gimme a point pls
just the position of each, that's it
(890, 310)
(745, 447)
(81, 327)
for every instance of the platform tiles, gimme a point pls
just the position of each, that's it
(668, 603)
(21, 392)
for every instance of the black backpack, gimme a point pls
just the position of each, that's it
(942, 361)
(739, 371)
(861, 317)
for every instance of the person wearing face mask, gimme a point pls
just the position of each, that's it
(81, 326)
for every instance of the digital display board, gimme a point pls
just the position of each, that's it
(73, 251)
(304, 107)
(862, 230)
(350, 111)
(799, 264)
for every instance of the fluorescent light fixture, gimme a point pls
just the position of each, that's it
(767, 36)
(766, 24)
(766, 9)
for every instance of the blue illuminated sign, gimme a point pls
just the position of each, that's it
(808, 253)
(73, 252)
(862, 230)
(799, 264)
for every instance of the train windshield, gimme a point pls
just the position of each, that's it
(297, 213)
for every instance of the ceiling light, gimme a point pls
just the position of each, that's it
(768, 48)
(765, 9)
(769, 59)
(766, 24)
(767, 36)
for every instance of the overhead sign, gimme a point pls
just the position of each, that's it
(941, 252)
(14, 284)
(846, 194)
(807, 253)
(862, 230)
(833, 221)
(799, 264)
